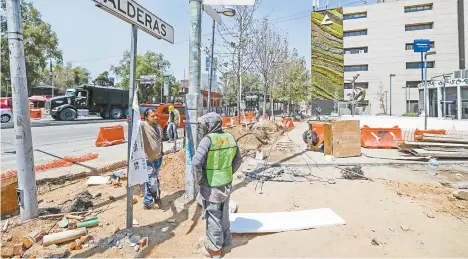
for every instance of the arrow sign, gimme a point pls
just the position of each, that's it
(133, 13)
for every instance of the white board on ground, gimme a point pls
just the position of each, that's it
(97, 180)
(283, 221)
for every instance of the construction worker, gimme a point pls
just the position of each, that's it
(216, 159)
(152, 140)
(174, 119)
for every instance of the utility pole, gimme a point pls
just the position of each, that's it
(211, 64)
(239, 59)
(194, 90)
(133, 54)
(27, 190)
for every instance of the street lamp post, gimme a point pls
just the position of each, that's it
(353, 103)
(226, 12)
(426, 101)
(391, 75)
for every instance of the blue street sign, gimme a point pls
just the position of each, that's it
(421, 45)
(448, 102)
(207, 64)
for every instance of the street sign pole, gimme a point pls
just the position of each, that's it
(27, 189)
(132, 12)
(133, 53)
(192, 98)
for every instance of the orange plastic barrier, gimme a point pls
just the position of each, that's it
(287, 123)
(35, 114)
(380, 137)
(250, 117)
(318, 128)
(109, 136)
(418, 133)
(226, 122)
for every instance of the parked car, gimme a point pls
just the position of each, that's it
(6, 114)
(162, 113)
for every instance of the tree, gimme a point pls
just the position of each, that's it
(148, 64)
(41, 44)
(266, 49)
(68, 76)
(382, 98)
(237, 37)
(294, 82)
(103, 79)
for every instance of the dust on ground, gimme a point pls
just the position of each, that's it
(407, 212)
(252, 137)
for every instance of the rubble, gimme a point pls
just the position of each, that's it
(81, 202)
(375, 242)
(461, 194)
(405, 228)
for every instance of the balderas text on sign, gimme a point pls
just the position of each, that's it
(132, 12)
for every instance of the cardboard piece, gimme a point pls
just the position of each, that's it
(283, 221)
(342, 138)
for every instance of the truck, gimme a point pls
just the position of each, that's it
(108, 102)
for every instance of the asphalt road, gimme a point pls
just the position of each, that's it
(67, 140)
(48, 121)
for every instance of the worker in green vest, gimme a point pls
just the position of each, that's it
(216, 159)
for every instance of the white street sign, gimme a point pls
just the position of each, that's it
(212, 12)
(229, 2)
(132, 12)
(147, 79)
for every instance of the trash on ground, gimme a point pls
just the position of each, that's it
(97, 180)
(81, 202)
(283, 221)
(61, 237)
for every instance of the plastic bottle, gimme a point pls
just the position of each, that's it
(432, 166)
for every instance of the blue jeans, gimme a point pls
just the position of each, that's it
(152, 191)
(172, 130)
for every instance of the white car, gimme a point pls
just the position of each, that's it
(6, 114)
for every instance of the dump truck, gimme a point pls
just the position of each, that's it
(108, 102)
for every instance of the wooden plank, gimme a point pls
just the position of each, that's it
(327, 146)
(9, 202)
(441, 154)
(444, 138)
(431, 144)
(346, 138)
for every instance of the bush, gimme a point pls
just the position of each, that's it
(410, 114)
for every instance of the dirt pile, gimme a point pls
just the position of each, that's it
(440, 197)
(245, 139)
(172, 175)
(268, 126)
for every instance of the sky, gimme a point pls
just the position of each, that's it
(94, 39)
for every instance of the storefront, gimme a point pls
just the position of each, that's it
(447, 99)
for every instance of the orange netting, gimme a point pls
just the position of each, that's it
(66, 161)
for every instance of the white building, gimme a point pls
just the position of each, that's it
(378, 41)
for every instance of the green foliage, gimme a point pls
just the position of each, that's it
(103, 79)
(410, 114)
(296, 86)
(40, 45)
(69, 76)
(148, 64)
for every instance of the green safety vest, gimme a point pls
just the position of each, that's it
(220, 156)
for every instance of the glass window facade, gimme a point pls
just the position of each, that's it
(420, 8)
(417, 65)
(355, 68)
(354, 16)
(359, 50)
(418, 27)
(354, 33)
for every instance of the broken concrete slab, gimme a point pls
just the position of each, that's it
(461, 194)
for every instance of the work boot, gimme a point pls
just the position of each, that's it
(226, 249)
(210, 253)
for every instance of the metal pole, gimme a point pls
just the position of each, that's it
(240, 73)
(406, 98)
(212, 65)
(444, 105)
(51, 77)
(27, 189)
(194, 90)
(426, 101)
(390, 95)
(352, 101)
(133, 54)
